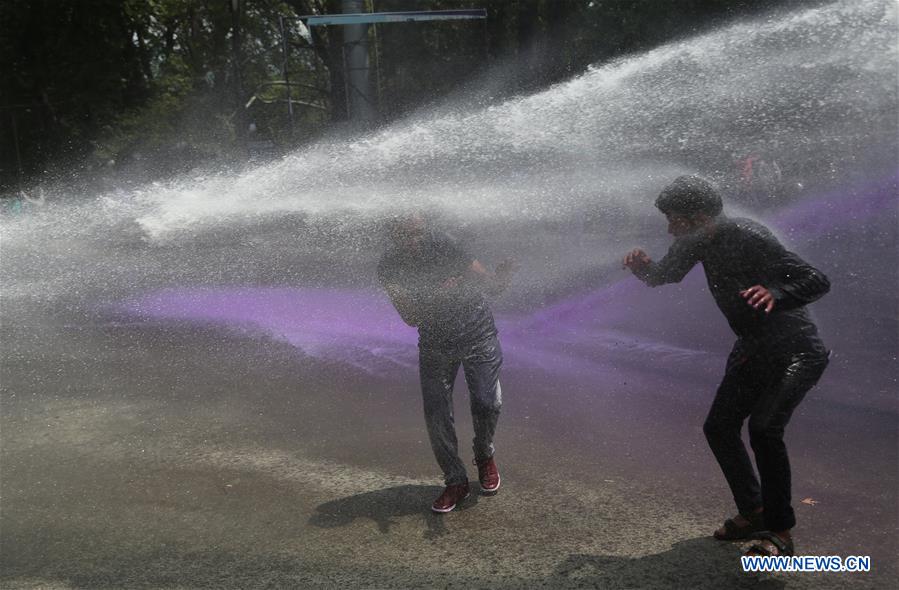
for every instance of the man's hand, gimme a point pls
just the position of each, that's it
(502, 276)
(451, 283)
(493, 283)
(636, 260)
(758, 297)
(505, 270)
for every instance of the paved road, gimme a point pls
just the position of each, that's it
(154, 457)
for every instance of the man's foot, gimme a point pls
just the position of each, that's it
(488, 474)
(741, 527)
(772, 544)
(452, 495)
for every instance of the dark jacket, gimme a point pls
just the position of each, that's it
(738, 254)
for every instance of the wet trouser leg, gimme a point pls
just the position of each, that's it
(794, 375)
(732, 404)
(482, 363)
(437, 370)
(767, 390)
(438, 367)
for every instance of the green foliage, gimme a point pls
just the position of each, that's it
(89, 82)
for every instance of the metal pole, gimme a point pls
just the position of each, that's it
(355, 42)
(15, 138)
(346, 83)
(236, 60)
(284, 72)
(361, 105)
(486, 42)
(374, 31)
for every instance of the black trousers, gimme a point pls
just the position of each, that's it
(765, 386)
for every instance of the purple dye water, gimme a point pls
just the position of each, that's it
(584, 335)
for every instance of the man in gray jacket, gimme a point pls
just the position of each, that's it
(438, 287)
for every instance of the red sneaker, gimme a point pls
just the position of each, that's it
(489, 476)
(452, 495)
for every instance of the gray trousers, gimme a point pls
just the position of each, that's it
(481, 362)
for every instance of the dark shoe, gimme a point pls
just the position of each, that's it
(488, 474)
(735, 532)
(452, 495)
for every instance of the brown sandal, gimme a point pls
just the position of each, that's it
(774, 546)
(735, 532)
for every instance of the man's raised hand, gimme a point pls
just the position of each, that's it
(636, 260)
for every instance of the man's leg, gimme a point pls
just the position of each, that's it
(482, 364)
(793, 377)
(437, 370)
(733, 403)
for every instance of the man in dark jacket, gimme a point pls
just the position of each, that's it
(438, 287)
(762, 289)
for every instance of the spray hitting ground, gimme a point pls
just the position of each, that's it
(203, 387)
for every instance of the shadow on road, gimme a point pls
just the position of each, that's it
(384, 506)
(694, 563)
